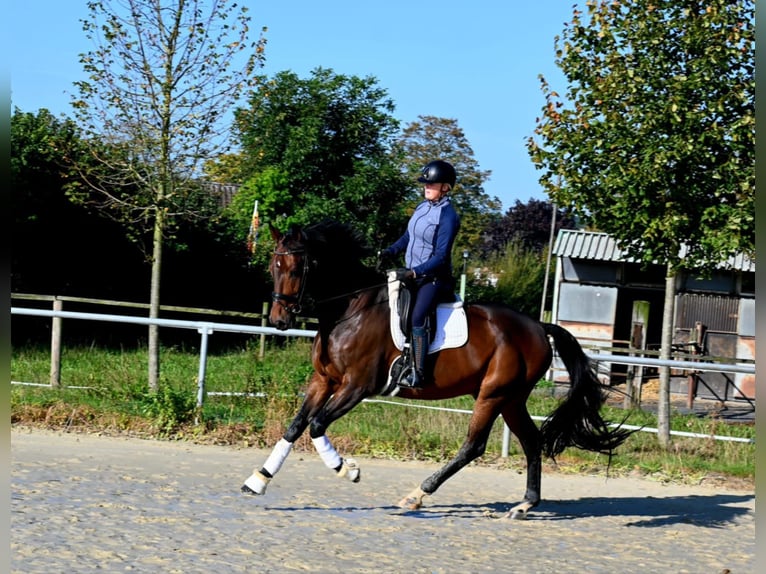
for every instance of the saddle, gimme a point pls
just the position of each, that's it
(449, 326)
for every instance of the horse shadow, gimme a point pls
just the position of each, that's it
(710, 511)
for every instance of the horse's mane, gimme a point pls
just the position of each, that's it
(335, 243)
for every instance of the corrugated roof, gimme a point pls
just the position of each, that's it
(587, 245)
(597, 246)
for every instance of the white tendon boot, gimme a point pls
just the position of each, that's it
(257, 482)
(346, 467)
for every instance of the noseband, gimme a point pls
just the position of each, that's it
(292, 303)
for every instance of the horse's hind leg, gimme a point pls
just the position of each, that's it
(521, 424)
(484, 414)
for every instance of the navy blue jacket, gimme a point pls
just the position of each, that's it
(429, 238)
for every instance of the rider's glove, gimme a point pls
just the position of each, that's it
(404, 274)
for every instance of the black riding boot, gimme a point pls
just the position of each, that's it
(415, 377)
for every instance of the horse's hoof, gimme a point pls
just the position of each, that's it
(247, 490)
(519, 514)
(351, 470)
(409, 503)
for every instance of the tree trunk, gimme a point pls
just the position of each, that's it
(154, 303)
(663, 405)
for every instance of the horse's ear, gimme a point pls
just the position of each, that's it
(275, 234)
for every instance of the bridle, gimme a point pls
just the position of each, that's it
(292, 303)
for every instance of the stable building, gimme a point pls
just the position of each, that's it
(611, 303)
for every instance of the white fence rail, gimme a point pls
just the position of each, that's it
(207, 328)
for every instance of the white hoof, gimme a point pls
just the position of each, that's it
(519, 514)
(256, 483)
(351, 470)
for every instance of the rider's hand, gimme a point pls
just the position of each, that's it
(385, 261)
(404, 274)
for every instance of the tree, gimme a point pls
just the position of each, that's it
(321, 147)
(160, 80)
(54, 250)
(431, 138)
(528, 223)
(656, 147)
(515, 277)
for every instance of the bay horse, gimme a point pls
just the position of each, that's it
(506, 354)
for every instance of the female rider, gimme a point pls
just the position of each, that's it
(427, 245)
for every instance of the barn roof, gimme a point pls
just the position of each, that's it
(597, 246)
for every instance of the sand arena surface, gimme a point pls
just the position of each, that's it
(81, 503)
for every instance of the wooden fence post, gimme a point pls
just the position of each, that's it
(635, 373)
(58, 305)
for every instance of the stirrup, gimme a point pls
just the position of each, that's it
(411, 379)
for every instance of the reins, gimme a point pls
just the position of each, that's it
(349, 293)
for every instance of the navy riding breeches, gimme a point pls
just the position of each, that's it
(429, 295)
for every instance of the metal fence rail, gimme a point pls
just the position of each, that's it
(206, 328)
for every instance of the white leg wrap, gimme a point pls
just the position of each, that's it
(277, 457)
(257, 482)
(327, 452)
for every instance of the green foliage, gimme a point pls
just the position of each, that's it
(519, 274)
(169, 407)
(270, 188)
(529, 223)
(272, 387)
(321, 147)
(43, 150)
(654, 143)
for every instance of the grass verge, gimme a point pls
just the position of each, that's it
(105, 391)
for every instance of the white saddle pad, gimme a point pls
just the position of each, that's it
(451, 323)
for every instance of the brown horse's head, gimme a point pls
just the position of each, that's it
(288, 268)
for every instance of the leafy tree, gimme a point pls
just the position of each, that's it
(321, 147)
(431, 138)
(160, 79)
(529, 223)
(58, 247)
(514, 277)
(656, 146)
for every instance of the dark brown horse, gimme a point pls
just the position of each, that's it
(506, 354)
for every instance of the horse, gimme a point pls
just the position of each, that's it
(506, 354)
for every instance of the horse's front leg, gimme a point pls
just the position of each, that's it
(345, 399)
(317, 393)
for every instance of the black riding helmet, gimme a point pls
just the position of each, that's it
(438, 172)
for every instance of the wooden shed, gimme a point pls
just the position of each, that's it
(609, 301)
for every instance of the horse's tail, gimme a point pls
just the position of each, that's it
(576, 421)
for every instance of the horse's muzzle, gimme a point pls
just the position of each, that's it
(284, 310)
(281, 324)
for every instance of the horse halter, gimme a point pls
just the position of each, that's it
(292, 303)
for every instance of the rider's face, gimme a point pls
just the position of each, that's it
(434, 191)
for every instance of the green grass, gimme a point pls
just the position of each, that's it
(117, 400)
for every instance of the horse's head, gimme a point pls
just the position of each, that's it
(324, 251)
(288, 267)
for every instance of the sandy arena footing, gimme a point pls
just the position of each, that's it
(81, 503)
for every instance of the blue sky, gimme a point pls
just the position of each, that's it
(477, 63)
